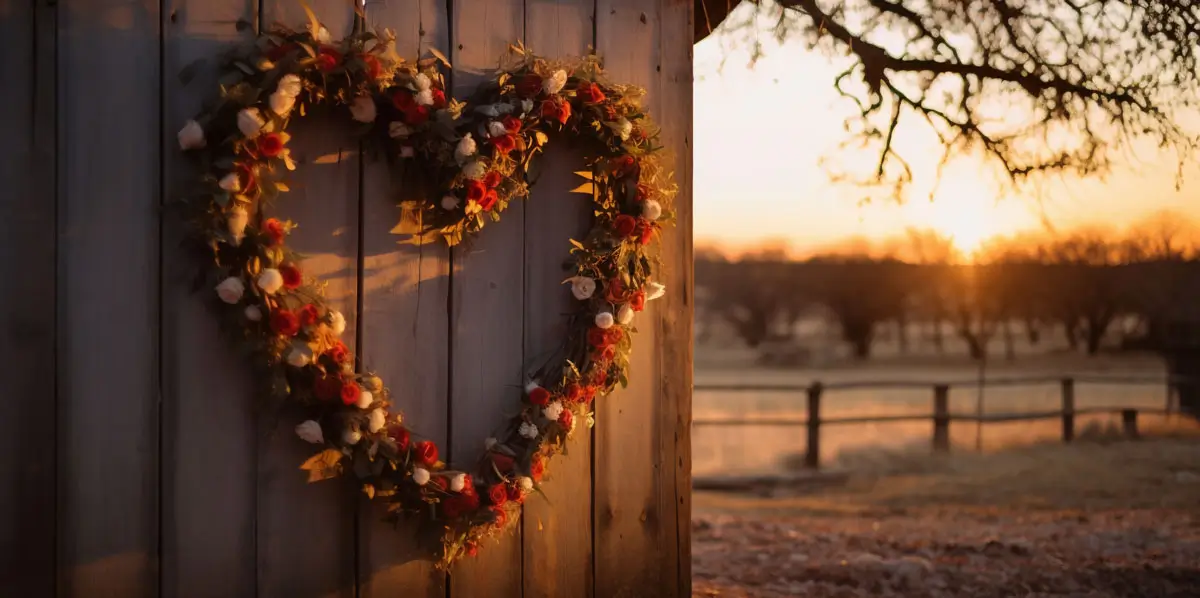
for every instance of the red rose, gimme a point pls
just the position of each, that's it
(441, 482)
(564, 420)
(416, 114)
(273, 229)
(327, 387)
(514, 494)
(309, 315)
(278, 52)
(402, 100)
(371, 66)
(350, 393)
(623, 165)
(498, 494)
(647, 232)
(400, 435)
(615, 291)
(599, 377)
(327, 59)
(291, 276)
(555, 110)
(476, 190)
(638, 301)
(270, 144)
(459, 505)
(610, 113)
(529, 85)
(539, 396)
(597, 338)
(439, 99)
(511, 124)
(614, 334)
(285, 322)
(427, 452)
(468, 485)
(500, 514)
(537, 468)
(572, 393)
(624, 225)
(588, 395)
(503, 462)
(489, 200)
(607, 354)
(504, 143)
(492, 179)
(339, 353)
(590, 93)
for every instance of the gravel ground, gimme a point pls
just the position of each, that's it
(1134, 532)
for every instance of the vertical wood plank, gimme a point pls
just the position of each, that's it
(209, 437)
(405, 325)
(27, 264)
(109, 183)
(487, 304)
(558, 530)
(307, 532)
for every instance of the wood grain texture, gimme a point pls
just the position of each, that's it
(209, 438)
(558, 529)
(487, 305)
(405, 325)
(307, 532)
(27, 265)
(632, 556)
(109, 168)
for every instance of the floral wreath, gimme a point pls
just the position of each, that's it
(476, 155)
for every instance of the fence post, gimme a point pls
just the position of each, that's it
(941, 418)
(812, 453)
(1068, 409)
(1129, 422)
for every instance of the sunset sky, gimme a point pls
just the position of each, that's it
(760, 132)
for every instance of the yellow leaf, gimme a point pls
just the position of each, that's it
(440, 56)
(282, 187)
(323, 465)
(587, 174)
(312, 18)
(586, 189)
(369, 490)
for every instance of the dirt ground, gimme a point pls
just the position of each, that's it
(1088, 520)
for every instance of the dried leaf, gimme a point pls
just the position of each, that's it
(323, 465)
(586, 189)
(440, 56)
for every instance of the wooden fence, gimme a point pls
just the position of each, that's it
(941, 417)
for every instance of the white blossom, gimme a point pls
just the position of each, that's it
(253, 313)
(238, 218)
(604, 320)
(625, 314)
(458, 482)
(490, 443)
(323, 35)
(422, 82)
(250, 122)
(281, 103)
(497, 129)
(230, 183)
(365, 398)
(270, 281)
(191, 136)
(310, 431)
(531, 386)
(362, 109)
(231, 289)
(624, 128)
(337, 322)
(553, 410)
(424, 97)
(376, 420)
(289, 85)
(528, 430)
(465, 148)
(526, 106)
(449, 202)
(526, 484)
(399, 130)
(300, 355)
(420, 476)
(582, 287)
(554, 83)
(474, 170)
(651, 210)
(655, 290)
(351, 436)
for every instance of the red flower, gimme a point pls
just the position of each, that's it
(615, 334)
(339, 353)
(588, 395)
(539, 396)
(468, 485)
(514, 494)
(489, 200)
(500, 514)
(427, 452)
(327, 59)
(441, 482)
(498, 494)
(492, 179)
(476, 190)
(309, 315)
(371, 66)
(597, 337)
(511, 124)
(458, 505)
(643, 192)
(607, 353)
(505, 143)
(327, 387)
(555, 110)
(350, 393)
(537, 468)
(610, 113)
(623, 165)
(472, 549)
(638, 301)
(529, 85)
(599, 377)
(625, 225)
(285, 323)
(270, 144)
(273, 229)
(590, 93)
(401, 436)
(439, 99)
(615, 291)
(647, 232)
(564, 420)
(503, 462)
(291, 276)
(403, 100)
(246, 177)
(572, 393)
(416, 114)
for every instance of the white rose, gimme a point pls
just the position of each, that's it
(526, 107)
(449, 202)
(230, 183)
(604, 320)
(365, 398)
(289, 85)
(490, 443)
(654, 290)
(458, 481)
(474, 170)
(554, 83)
(422, 82)
(398, 130)
(651, 210)
(337, 322)
(625, 315)
(323, 35)
(310, 431)
(424, 98)
(492, 110)
(351, 436)
(420, 476)
(253, 313)
(376, 420)
(250, 122)
(362, 109)
(624, 128)
(300, 355)
(270, 280)
(281, 103)
(465, 148)
(531, 386)
(526, 484)
(528, 430)
(582, 287)
(496, 129)
(231, 289)
(237, 224)
(191, 136)
(553, 410)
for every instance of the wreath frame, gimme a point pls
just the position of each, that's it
(473, 158)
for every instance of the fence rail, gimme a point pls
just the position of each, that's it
(941, 417)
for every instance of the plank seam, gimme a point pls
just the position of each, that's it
(450, 259)
(159, 286)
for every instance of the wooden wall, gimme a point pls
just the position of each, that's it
(135, 459)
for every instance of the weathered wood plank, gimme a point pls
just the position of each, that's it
(27, 264)
(209, 438)
(109, 184)
(630, 559)
(405, 325)
(557, 531)
(306, 533)
(487, 305)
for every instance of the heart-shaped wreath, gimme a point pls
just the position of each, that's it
(475, 156)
